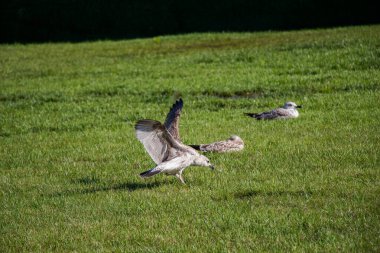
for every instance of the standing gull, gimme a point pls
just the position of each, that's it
(171, 156)
(234, 143)
(288, 111)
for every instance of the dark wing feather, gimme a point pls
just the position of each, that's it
(259, 116)
(150, 173)
(172, 119)
(196, 147)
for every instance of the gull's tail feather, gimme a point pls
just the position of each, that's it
(253, 115)
(250, 114)
(197, 147)
(150, 173)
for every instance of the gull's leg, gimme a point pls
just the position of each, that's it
(179, 176)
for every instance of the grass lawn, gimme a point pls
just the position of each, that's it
(69, 159)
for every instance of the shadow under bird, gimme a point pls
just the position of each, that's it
(288, 111)
(234, 143)
(170, 155)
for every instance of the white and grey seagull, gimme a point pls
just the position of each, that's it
(288, 111)
(170, 155)
(234, 143)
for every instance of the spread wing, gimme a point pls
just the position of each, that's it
(157, 141)
(172, 119)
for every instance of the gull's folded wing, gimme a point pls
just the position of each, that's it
(276, 113)
(280, 112)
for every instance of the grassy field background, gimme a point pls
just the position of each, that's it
(69, 159)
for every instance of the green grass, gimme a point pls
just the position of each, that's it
(69, 159)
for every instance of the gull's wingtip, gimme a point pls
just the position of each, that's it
(178, 103)
(149, 173)
(147, 125)
(196, 147)
(249, 114)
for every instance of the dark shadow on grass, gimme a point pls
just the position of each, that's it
(253, 193)
(130, 187)
(87, 180)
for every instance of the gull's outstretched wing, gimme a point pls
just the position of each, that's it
(172, 119)
(151, 134)
(157, 141)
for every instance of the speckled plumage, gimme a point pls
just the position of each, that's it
(288, 111)
(234, 143)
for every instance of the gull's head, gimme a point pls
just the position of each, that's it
(201, 160)
(291, 105)
(235, 138)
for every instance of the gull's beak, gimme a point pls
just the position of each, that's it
(299, 106)
(212, 167)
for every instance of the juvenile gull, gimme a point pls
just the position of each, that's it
(234, 143)
(288, 111)
(171, 156)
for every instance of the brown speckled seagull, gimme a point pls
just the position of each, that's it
(234, 143)
(288, 111)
